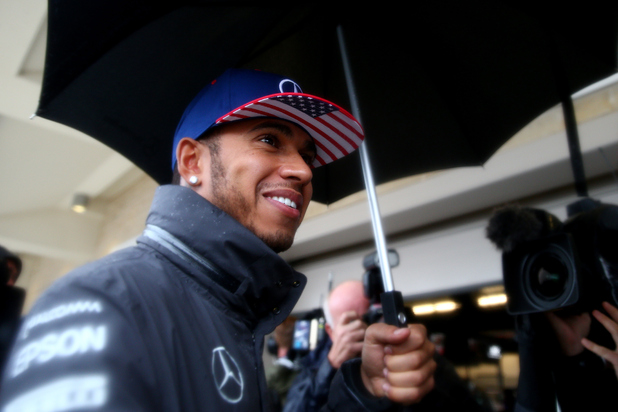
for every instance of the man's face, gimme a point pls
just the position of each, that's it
(353, 302)
(259, 174)
(13, 272)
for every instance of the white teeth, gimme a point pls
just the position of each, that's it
(285, 201)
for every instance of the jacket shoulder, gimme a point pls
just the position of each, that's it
(110, 274)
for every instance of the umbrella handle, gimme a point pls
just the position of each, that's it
(393, 309)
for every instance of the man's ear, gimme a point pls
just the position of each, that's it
(190, 160)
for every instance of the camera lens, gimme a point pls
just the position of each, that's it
(548, 276)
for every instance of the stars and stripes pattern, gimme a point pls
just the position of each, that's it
(335, 132)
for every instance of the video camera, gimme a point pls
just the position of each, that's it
(548, 264)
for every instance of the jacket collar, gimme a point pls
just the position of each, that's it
(257, 278)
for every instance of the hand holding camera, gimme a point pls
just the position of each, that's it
(570, 330)
(348, 337)
(611, 324)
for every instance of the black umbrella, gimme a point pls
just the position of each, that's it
(439, 86)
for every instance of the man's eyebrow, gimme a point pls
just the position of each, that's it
(287, 131)
(282, 127)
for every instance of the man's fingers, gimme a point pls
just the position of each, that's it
(348, 317)
(356, 347)
(353, 325)
(407, 396)
(410, 377)
(353, 335)
(411, 360)
(404, 355)
(609, 324)
(612, 310)
(605, 353)
(381, 333)
(415, 340)
(398, 340)
(352, 332)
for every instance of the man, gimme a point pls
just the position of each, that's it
(555, 367)
(344, 311)
(10, 267)
(285, 368)
(345, 329)
(11, 301)
(177, 323)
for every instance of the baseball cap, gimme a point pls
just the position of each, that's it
(243, 94)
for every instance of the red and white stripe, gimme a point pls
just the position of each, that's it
(336, 134)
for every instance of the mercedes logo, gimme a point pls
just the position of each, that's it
(289, 86)
(228, 377)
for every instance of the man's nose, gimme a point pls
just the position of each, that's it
(296, 168)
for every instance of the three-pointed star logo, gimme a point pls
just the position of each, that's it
(227, 374)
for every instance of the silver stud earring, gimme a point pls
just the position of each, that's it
(193, 180)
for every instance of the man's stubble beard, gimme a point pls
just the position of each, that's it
(228, 198)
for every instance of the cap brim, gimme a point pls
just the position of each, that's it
(336, 132)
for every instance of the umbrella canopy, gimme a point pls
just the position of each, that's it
(441, 86)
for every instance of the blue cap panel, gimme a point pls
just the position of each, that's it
(231, 90)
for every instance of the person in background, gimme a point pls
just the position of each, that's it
(11, 301)
(555, 367)
(10, 267)
(285, 368)
(611, 324)
(343, 311)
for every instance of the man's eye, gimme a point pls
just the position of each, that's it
(268, 140)
(308, 159)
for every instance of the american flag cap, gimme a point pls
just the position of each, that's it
(240, 94)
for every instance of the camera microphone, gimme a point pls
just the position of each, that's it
(514, 225)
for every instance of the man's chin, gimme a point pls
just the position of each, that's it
(278, 241)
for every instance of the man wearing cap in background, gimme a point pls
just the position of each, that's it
(177, 323)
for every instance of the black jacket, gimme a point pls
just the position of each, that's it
(311, 388)
(176, 323)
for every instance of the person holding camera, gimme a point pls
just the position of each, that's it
(611, 324)
(344, 323)
(556, 274)
(555, 367)
(345, 330)
(346, 313)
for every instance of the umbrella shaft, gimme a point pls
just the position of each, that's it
(376, 221)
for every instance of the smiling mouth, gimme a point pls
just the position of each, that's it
(284, 200)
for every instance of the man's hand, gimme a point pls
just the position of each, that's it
(398, 362)
(612, 327)
(569, 331)
(347, 337)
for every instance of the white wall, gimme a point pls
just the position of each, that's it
(450, 257)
